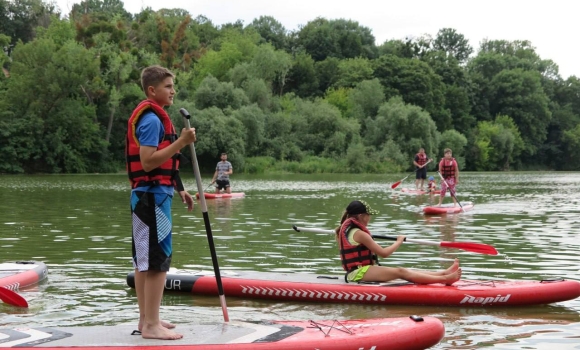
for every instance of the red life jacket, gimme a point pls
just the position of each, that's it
(422, 158)
(165, 173)
(448, 168)
(353, 256)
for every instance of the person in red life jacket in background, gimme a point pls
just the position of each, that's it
(420, 163)
(450, 171)
(152, 153)
(432, 185)
(358, 252)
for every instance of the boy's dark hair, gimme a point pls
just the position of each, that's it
(224, 153)
(447, 150)
(153, 75)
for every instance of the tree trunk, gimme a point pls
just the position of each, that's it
(110, 125)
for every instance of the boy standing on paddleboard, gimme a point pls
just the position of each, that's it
(450, 172)
(153, 156)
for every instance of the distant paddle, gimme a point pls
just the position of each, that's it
(479, 248)
(214, 258)
(451, 191)
(12, 298)
(393, 186)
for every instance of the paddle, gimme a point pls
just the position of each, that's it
(450, 191)
(393, 186)
(11, 298)
(216, 268)
(467, 246)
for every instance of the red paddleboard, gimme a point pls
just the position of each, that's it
(19, 274)
(383, 333)
(447, 209)
(221, 195)
(300, 287)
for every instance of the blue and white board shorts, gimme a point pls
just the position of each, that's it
(151, 243)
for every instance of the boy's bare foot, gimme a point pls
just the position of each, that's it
(452, 268)
(453, 277)
(159, 332)
(165, 324)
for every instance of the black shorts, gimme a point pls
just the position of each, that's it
(421, 173)
(222, 184)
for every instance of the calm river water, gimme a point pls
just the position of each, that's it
(79, 225)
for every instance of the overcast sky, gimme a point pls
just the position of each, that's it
(552, 26)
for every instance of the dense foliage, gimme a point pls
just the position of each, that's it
(323, 98)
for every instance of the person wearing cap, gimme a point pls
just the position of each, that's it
(358, 252)
(432, 185)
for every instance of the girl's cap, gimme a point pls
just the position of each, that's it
(360, 207)
(431, 178)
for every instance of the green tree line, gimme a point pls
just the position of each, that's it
(322, 98)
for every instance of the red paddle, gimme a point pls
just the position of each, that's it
(11, 298)
(468, 246)
(393, 186)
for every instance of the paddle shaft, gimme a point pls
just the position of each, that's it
(467, 246)
(214, 259)
(451, 191)
(12, 298)
(390, 238)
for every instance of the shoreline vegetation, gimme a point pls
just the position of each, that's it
(325, 98)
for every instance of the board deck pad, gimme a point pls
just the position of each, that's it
(382, 333)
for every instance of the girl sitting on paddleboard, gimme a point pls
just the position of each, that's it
(432, 185)
(358, 250)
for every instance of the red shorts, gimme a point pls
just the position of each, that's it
(451, 183)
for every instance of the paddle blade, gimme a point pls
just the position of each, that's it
(471, 247)
(11, 298)
(393, 186)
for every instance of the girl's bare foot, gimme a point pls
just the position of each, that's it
(165, 324)
(452, 268)
(159, 332)
(453, 277)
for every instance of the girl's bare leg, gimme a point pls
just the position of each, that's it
(385, 274)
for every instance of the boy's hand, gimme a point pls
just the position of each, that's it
(187, 136)
(187, 198)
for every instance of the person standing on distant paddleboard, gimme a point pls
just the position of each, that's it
(420, 163)
(450, 171)
(221, 177)
(358, 251)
